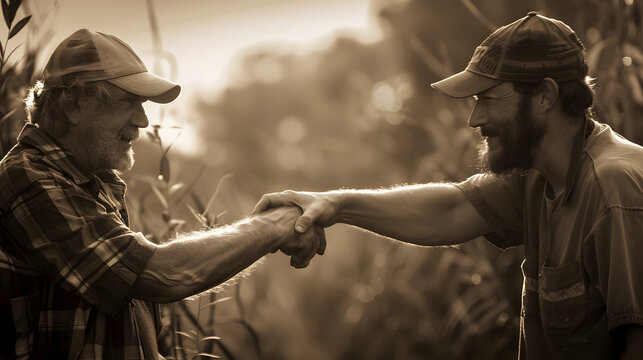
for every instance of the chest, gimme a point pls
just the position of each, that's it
(111, 197)
(556, 228)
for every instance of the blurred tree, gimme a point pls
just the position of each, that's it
(363, 115)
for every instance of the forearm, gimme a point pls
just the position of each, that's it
(418, 214)
(196, 262)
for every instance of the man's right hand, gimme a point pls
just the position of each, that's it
(302, 247)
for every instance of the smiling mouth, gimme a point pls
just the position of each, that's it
(127, 142)
(129, 138)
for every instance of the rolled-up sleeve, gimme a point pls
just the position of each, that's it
(83, 245)
(499, 200)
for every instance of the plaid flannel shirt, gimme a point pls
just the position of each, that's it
(67, 259)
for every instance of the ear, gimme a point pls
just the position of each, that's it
(73, 113)
(547, 95)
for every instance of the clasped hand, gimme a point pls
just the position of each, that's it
(307, 236)
(302, 247)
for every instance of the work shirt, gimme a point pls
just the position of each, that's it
(68, 260)
(583, 275)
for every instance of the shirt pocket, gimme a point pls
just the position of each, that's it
(563, 298)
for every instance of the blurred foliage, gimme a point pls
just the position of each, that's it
(14, 78)
(357, 114)
(362, 115)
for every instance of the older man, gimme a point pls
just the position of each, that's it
(76, 281)
(567, 187)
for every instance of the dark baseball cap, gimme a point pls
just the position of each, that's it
(87, 56)
(527, 50)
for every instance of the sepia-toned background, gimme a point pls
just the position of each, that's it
(317, 95)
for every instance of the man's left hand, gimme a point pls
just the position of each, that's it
(302, 247)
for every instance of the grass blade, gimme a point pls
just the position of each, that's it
(209, 355)
(216, 193)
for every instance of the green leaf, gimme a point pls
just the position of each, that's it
(12, 51)
(182, 333)
(198, 216)
(218, 216)
(212, 303)
(159, 195)
(175, 224)
(216, 193)
(176, 188)
(151, 136)
(165, 169)
(13, 9)
(210, 338)
(632, 51)
(19, 25)
(6, 12)
(596, 56)
(197, 202)
(7, 115)
(635, 87)
(209, 355)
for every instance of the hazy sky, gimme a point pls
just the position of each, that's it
(204, 36)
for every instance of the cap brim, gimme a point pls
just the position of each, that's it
(146, 84)
(465, 84)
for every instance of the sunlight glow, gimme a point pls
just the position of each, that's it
(204, 39)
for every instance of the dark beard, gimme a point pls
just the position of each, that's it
(517, 139)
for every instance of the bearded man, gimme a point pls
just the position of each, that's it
(76, 281)
(562, 184)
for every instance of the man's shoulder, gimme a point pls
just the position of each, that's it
(618, 166)
(20, 169)
(22, 159)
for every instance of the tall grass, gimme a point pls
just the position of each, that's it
(190, 323)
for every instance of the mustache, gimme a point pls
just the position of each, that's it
(130, 134)
(489, 130)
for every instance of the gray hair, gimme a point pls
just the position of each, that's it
(46, 106)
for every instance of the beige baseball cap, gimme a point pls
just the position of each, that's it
(87, 56)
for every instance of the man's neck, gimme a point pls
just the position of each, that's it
(554, 154)
(80, 153)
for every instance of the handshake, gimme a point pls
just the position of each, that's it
(299, 219)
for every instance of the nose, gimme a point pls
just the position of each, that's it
(478, 115)
(139, 118)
